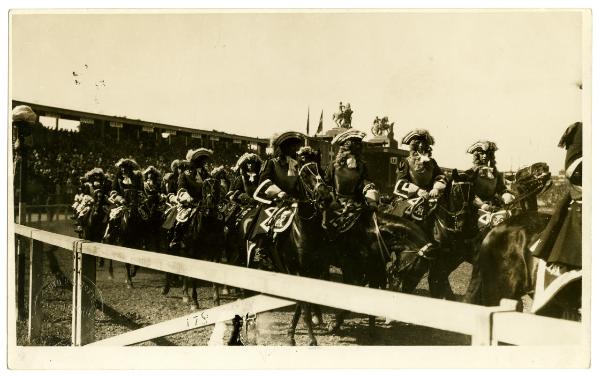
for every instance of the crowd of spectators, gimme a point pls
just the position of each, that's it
(58, 158)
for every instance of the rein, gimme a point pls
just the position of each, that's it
(454, 216)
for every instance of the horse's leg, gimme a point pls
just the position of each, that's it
(308, 322)
(185, 290)
(292, 329)
(195, 305)
(110, 270)
(216, 296)
(128, 275)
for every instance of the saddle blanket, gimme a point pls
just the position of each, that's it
(342, 219)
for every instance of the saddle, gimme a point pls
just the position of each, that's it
(417, 209)
(343, 218)
(492, 219)
(279, 218)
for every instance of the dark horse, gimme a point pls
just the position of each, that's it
(299, 250)
(203, 237)
(412, 252)
(131, 226)
(505, 264)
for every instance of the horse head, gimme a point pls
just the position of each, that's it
(455, 204)
(313, 186)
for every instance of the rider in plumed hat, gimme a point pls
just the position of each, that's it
(245, 183)
(127, 187)
(419, 174)
(278, 180)
(347, 173)
(151, 180)
(490, 190)
(191, 180)
(560, 247)
(170, 179)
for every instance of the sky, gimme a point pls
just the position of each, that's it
(511, 77)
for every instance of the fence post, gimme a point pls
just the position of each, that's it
(36, 277)
(483, 337)
(84, 303)
(20, 266)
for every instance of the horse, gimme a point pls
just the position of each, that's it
(298, 250)
(506, 268)
(131, 225)
(415, 252)
(204, 237)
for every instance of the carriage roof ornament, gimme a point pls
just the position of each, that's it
(347, 135)
(483, 145)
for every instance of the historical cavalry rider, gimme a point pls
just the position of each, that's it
(278, 181)
(189, 190)
(95, 186)
(560, 247)
(245, 183)
(127, 188)
(490, 190)
(348, 175)
(170, 179)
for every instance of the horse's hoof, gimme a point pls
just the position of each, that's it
(313, 342)
(194, 307)
(110, 277)
(185, 299)
(291, 342)
(165, 291)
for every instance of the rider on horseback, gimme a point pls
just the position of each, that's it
(246, 180)
(126, 188)
(95, 186)
(419, 176)
(490, 190)
(170, 179)
(560, 246)
(278, 179)
(189, 191)
(347, 173)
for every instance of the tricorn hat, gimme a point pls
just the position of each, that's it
(174, 165)
(278, 139)
(151, 170)
(347, 135)
(572, 140)
(246, 158)
(484, 146)
(196, 154)
(127, 162)
(94, 171)
(418, 134)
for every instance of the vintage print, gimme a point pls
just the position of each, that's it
(268, 179)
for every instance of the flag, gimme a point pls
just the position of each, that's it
(308, 122)
(320, 127)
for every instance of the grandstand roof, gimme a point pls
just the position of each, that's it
(78, 115)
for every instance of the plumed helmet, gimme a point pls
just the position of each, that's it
(23, 113)
(572, 140)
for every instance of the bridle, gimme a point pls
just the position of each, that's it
(310, 169)
(453, 221)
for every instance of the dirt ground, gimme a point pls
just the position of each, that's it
(125, 309)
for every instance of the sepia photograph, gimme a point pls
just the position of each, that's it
(367, 188)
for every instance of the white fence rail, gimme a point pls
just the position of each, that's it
(486, 325)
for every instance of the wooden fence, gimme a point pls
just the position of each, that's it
(485, 325)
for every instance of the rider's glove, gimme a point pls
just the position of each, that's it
(282, 195)
(422, 193)
(507, 198)
(486, 207)
(434, 193)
